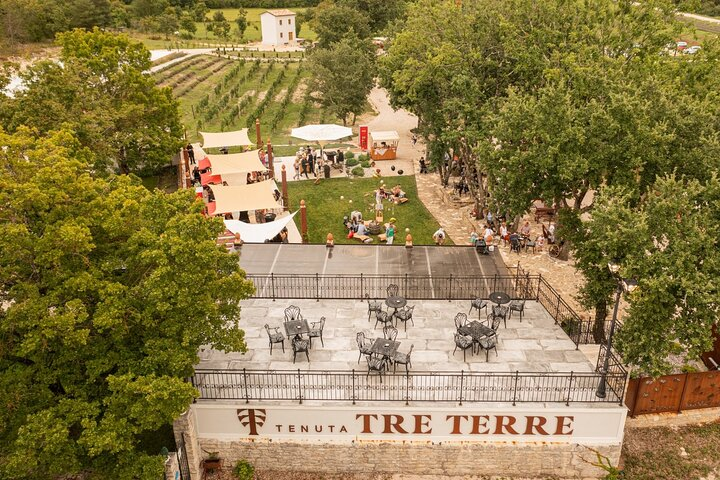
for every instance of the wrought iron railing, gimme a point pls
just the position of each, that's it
(358, 386)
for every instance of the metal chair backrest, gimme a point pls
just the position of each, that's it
(267, 327)
(460, 320)
(488, 342)
(460, 339)
(292, 313)
(321, 324)
(407, 312)
(390, 332)
(392, 290)
(299, 345)
(360, 337)
(383, 316)
(496, 323)
(409, 353)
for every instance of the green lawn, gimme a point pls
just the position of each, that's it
(325, 208)
(253, 33)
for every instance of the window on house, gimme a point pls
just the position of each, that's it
(281, 34)
(280, 22)
(289, 21)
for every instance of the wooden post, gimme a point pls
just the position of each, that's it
(258, 138)
(284, 189)
(303, 222)
(271, 165)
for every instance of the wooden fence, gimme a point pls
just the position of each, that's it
(673, 393)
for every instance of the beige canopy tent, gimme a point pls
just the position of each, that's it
(236, 163)
(256, 196)
(237, 138)
(383, 145)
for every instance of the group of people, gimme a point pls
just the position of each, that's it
(521, 237)
(356, 226)
(309, 161)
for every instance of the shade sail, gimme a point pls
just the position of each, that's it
(258, 232)
(204, 163)
(236, 163)
(386, 136)
(206, 178)
(198, 152)
(321, 133)
(256, 196)
(237, 138)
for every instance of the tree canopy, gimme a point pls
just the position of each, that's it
(99, 90)
(557, 101)
(108, 290)
(343, 74)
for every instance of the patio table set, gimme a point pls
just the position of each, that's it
(299, 332)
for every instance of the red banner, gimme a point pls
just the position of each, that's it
(364, 137)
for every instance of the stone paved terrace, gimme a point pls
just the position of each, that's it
(534, 345)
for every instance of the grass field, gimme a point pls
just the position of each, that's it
(688, 452)
(220, 94)
(325, 208)
(253, 33)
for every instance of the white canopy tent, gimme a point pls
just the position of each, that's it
(256, 196)
(237, 138)
(236, 163)
(323, 133)
(258, 232)
(198, 152)
(385, 136)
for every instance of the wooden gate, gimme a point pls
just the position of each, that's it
(673, 393)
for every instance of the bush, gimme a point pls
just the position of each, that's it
(358, 171)
(349, 155)
(351, 162)
(243, 470)
(364, 157)
(365, 163)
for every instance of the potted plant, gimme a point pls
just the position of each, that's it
(244, 470)
(212, 462)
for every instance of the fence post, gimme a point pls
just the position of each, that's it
(247, 395)
(405, 288)
(537, 294)
(317, 287)
(494, 283)
(462, 381)
(272, 284)
(557, 309)
(450, 289)
(299, 387)
(567, 400)
(362, 293)
(354, 396)
(407, 388)
(682, 395)
(517, 377)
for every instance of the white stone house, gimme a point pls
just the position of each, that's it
(278, 27)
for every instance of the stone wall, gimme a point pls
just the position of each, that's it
(185, 430)
(423, 459)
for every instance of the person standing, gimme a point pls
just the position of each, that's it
(340, 156)
(304, 166)
(423, 165)
(190, 153)
(311, 162)
(296, 166)
(390, 232)
(439, 236)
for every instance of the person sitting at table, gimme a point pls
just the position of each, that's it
(474, 238)
(525, 230)
(361, 229)
(488, 234)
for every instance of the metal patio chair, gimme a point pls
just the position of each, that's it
(292, 313)
(299, 346)
(463, 342)
(392, 290)
(364, 345)
(405, 314)
(460, 320)
(376, 363)
(402, 359)
(374, 306)
(478, 303)
(517, 306)
(487, 344)
(276, 337)
(384, 318)
(316, 330)
(390, 332)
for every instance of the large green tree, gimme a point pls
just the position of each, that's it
(101, 91)
(334, 22)
(343, 76)
(667, 240)
(107, 292)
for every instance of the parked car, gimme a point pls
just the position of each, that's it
(693, 49)
(681, 45)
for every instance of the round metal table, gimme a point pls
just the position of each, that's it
(395, 303)
(500, 298)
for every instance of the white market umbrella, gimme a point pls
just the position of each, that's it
(322, 134)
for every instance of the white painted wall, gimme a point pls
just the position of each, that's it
(277, 30)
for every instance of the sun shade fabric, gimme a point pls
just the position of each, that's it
(236, 163)
(321, 133)
(258, 232)
(387, 136)
(237, 138)
(204, 163)
(198, 152)
(256, 196)
(206, 178)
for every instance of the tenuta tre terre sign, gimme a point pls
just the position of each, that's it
(591, 426)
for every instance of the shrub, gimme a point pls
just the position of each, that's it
(358, 171)
(365, 163)
(364, 157)
(351, 162)
(349, 155)
(243, 470)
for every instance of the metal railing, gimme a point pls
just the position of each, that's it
(357, 386)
